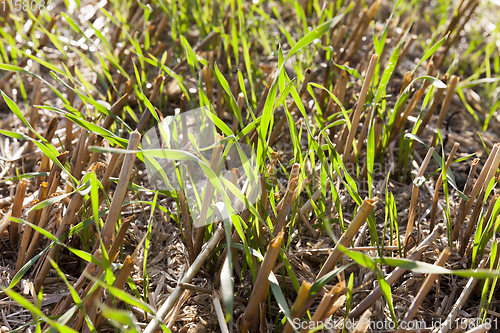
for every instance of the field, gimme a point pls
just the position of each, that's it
(237, 166)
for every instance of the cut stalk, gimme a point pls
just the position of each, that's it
(490, 210)
(467, 189)
(439, 182)
(447, 100)
(302, 91)
(327, 300)
(34, 218)
(119, 283)
(207, 199)
(45, 162)
(297, 305)
(69, 216)
(359, 107)
(437, 99)
(479, 203)
(478, 185)
(364, 323)
(17, 208)
(414, 196)
(35, 97)
(340, 90)
(360, 218)
(186, 226)
(53, 180)
(261, 284)
(24, 242)
(107, 232)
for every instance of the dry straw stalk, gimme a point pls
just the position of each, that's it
(261, 284)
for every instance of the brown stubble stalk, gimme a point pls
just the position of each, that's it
(466, 191)
(364, 21)
(53, 181)
(107, 232)
(261, 284)
(113, 251)
(414, 197)
(76, 158)
(265, 92)
(97, 253)
(359, 107)
(322, 308)
(462, 9)
(479, 201)
(45, 163)
(296, 309)
(459, 12)
(396, 274)
(416, 97)
(119, 283)
(424, 290)
(461, 27)
(326, 306)
(91, 268)
(69, 216)
(186, 227)
(34, 218)
(487, 216)
(69, 124)
(294, 173)
(360, 218)
(407, 78)
(207, 199)
(326, 81)
(410, 107)
(477, 187)
(427, 117)
(357, 31)
(332, 105)
(17, 208)
(35, 100)
(22, 249)
(333, 307)
(439, 182)
(406, 49)
(112, 169)
(363, 324)
(339, 91)
(447, 100)
(302, 91)
(288, 201)
(362, 135)
(116, 109)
